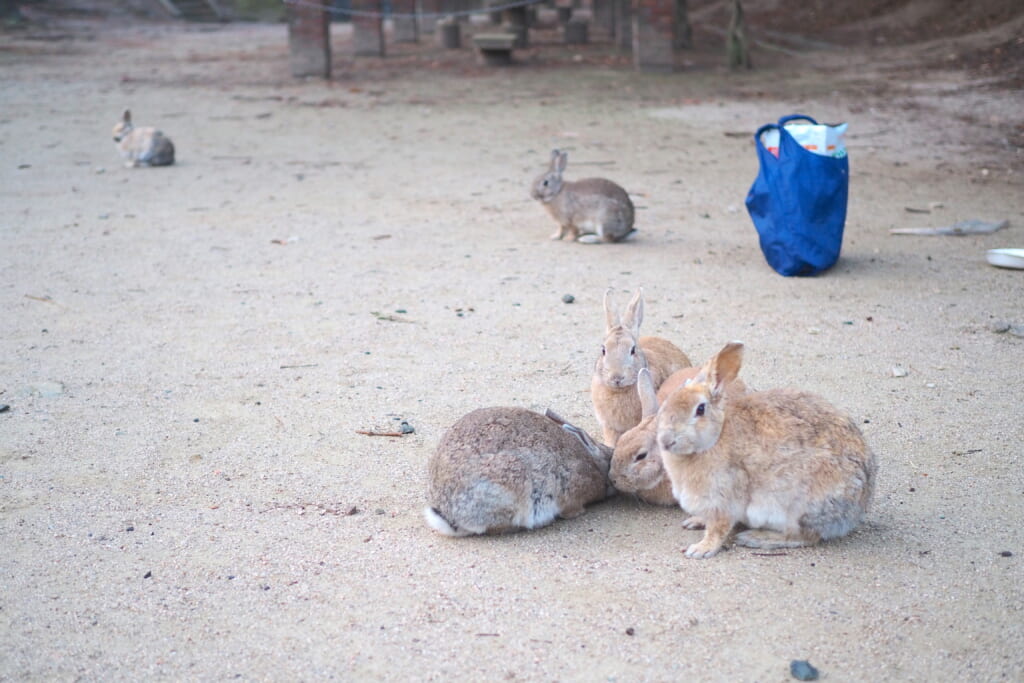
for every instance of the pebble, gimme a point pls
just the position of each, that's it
(406, 428)
(802, 670)
(898, 371)
(1006, 553)
(4, 407)
(568, 298)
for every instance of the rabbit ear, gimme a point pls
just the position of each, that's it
(634, 313)
(554, 417)
(648, 396)
(127, 117)
(611, 318)
(559, 161)
(724, 367)
(593, 448)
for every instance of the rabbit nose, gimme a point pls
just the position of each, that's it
(617, 380)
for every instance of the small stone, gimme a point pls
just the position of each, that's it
(4, 407)
(1006, 553)
(898, 371)
(406, 428)
(999, 326)
(129, 528)
(568, 298)
(802, 670)
(147, 575)
(630, 631)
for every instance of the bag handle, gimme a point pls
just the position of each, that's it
(762, 129)
(796, 117)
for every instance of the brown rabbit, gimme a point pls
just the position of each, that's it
(506, 469)
(589, 210)
(142, 146)
(636, 463)
(784, 463)
(623, 354)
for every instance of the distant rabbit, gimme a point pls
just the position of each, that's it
(636, 463)
(590, 210)
(142, 146)
(623, 354)
(784, 463)
(506, 469)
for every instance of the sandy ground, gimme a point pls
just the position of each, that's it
(188, 353)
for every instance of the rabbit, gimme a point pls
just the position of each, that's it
(590, 210)
(784, 463)
(624, 352)
(636, 462)
(142, 146)
(506, 469)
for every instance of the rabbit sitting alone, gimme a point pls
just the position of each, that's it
(784, 463)
(590, 210)
(142, 146)
(507, 469)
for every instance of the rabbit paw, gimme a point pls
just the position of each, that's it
(693, 523)
(589, 238)
(703, 550)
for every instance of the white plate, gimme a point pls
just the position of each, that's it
(1006, 258)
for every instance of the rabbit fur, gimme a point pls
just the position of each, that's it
(624, 352)
(142, 146)
(784, 463)
(636, 463)
(506, 469)
(590, 210)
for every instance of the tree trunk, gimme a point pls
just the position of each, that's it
(684, 31)
(737, 50)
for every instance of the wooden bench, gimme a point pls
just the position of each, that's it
(495, 48)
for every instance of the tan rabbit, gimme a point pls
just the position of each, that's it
(506, 469)
(623, 354)
(142, 146)
(590, 210)
(636, 463)
(784, 463)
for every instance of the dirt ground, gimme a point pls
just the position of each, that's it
(189, 352)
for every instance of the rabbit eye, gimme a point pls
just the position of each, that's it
(700, 410)
(641, 455)
(545, 183)
(632, 351)
(602, 351)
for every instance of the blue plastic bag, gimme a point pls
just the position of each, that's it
(798, 204)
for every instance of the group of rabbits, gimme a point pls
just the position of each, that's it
(782, 463)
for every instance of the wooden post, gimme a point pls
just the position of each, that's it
(309, 44)
(404, 21)
(368, 29)
(654, 31)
